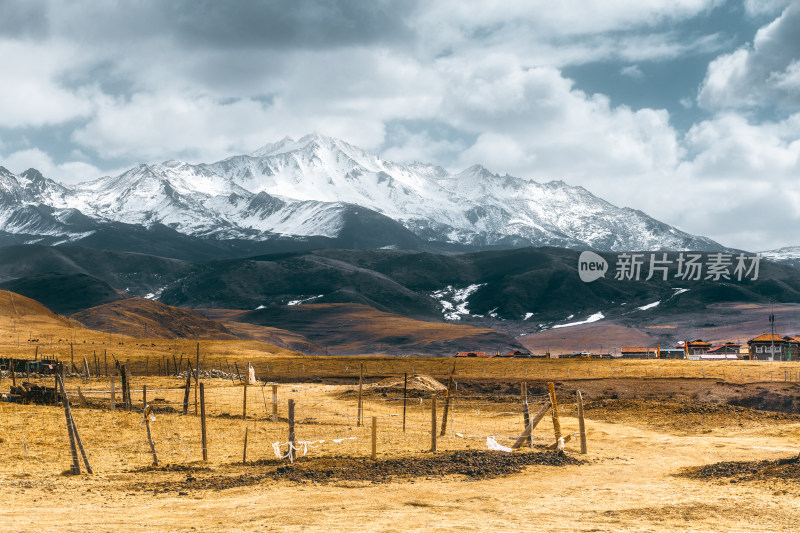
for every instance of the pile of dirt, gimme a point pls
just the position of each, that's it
(418, 385)
(742, 471)
(474, 464)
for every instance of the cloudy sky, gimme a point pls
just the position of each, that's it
(686, 109)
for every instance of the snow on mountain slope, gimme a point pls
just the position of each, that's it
(308, 187)
(789, 255)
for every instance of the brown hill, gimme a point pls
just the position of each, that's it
(22, 312)
(351, 329)
(139, 317)
(275, 336)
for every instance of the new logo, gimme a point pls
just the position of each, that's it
(591, 266)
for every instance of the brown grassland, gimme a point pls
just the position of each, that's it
(647, 422)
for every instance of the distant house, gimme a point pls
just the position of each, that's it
(639, 352)
(730, 350)
(673, 353)
(697, 347)
(517, 353)
(785, 348)
(474, 354)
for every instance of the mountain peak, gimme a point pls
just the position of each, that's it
(312, 142)
(33, 175)
(273, 148)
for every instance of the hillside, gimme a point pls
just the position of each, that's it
(139, 317)
(17, 311)
(349, 329)
(65, 293)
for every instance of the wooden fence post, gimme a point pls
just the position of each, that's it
(186, 394)
(113, 394)
(360, 411)
(446, 409)
(105, 361)
(146, 410)
(581, 423)
(244, 450)
(405, 396)
(75, 434)
(291, 431)
(433, 423)
(203, 422)
(526, 414)
(374, 437)
(196, 375)
(274, 402)
(529, 430)
(75, 469)
(551, 388)
(244, 398)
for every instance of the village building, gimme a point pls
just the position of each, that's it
(673, 353)
(639, 352)
(697, 347)
(785, 348)
(474, 354)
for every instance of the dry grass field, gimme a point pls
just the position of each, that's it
(647, 423)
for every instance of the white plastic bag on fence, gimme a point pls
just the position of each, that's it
(494, 445)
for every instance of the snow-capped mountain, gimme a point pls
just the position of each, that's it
(788, 254)
(319, 186)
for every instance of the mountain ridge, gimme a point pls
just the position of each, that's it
(321, 187)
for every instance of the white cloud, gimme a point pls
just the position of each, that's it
(762, 75)
(765, 7)
(67, 172)
(30, 94)
(632, 71)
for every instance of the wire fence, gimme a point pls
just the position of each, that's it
(34, 438)
(327, 417)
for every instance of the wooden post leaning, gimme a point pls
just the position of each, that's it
(551, 389)
(146, 412)
(581, 423)
(75, 469)
(526, 414)
(75, 433)
(529, 430)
